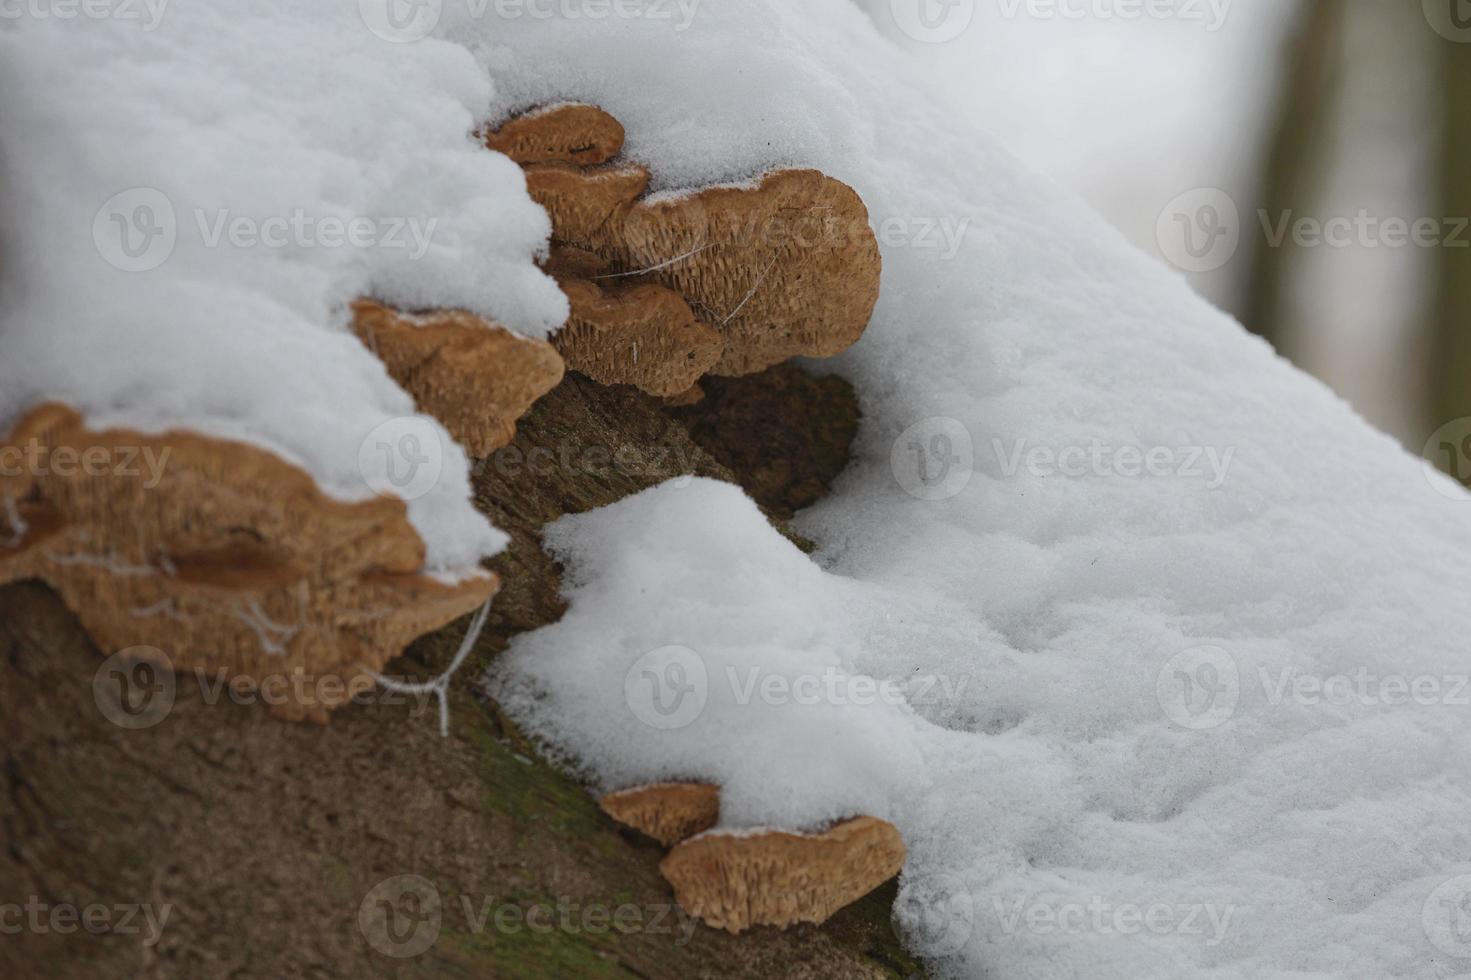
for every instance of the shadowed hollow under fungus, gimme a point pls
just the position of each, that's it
(776, 878)
(221, 558)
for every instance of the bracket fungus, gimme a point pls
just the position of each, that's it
(221, 559)
(568, 132)
(643, 334)
(781, 267)
(667, 812)
(775, 878)
(473, 375)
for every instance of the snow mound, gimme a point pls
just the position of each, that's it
(191, 202)
(1181, 641)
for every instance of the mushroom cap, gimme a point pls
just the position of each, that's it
(783, 267)
(233, 565)
(642, 335)
(789, 268)
(734, 882)
(473, 375)
(667, 812)
(570, 132)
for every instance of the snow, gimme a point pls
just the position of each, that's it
(1085, 606)
(258, 134)
(1183, 638)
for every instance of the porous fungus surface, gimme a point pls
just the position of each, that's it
(473, 375)
(205, 555)
(775, 878)
(783, 266)
(667, 812)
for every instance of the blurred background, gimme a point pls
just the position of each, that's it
(1307, 163)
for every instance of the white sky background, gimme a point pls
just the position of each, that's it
(1132, 111)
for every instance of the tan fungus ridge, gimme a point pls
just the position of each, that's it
(667, 812)
(473, 375)
(785, 267)
(734, 882)
(233, 565)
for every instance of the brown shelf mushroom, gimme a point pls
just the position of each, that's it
(474, 376)
(734, 882)
(220, 555)
(782, 267)
(642, 335)
(667, 812)
(570, 132)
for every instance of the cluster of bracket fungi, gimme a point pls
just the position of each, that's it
(232, 562)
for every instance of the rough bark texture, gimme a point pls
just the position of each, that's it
(268, 839)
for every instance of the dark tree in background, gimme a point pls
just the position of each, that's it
(1450, 390)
